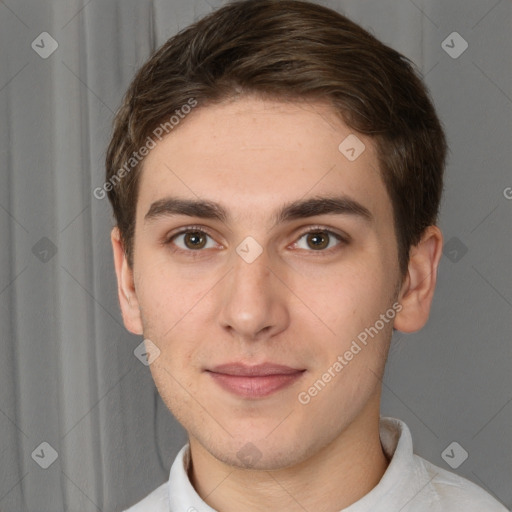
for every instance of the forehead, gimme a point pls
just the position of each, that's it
(252, 153)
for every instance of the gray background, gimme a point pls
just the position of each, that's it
(68, 375)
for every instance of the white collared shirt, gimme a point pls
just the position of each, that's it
(410, 484)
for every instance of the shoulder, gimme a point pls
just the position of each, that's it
(156, 501)
(453, 492)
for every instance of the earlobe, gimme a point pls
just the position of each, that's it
(419, 284)
(125, 286)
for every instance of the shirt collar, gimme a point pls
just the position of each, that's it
(401, 482)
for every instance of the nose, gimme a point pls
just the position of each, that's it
(254, 300)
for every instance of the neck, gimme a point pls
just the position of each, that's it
(333, 478)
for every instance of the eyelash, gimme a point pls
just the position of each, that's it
(314, 229)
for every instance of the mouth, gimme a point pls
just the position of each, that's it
(257, 381)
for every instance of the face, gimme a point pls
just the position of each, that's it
(258, 241)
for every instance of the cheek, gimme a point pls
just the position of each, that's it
(352, 304)
(166, 297)
(173, 310)
(350, 297)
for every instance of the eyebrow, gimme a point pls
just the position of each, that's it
(300, 209)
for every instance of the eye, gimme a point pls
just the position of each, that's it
(192, 240)
(318, 240)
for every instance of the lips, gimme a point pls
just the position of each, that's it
(258, 370)
(256, 381)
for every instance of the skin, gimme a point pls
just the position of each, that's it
(294, 304)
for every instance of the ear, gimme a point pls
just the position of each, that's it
(125, 286)
(419, 284)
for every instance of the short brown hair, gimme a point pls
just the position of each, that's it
(291, 50)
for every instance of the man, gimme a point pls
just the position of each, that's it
(275, 174)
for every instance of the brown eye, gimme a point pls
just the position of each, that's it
(194, 239)
(191, 241)
(317, 240)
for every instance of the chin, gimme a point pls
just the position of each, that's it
(247, 451)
